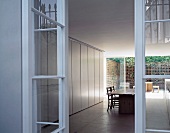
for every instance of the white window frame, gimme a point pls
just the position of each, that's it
(140, 76)
(28, 76)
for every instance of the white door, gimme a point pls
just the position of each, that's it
(45, 49)
(152, 21)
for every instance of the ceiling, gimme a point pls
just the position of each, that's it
(108, 25)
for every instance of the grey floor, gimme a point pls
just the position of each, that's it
(156, 111)
(97, 120)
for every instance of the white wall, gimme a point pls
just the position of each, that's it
(86, 76)
(10, 68)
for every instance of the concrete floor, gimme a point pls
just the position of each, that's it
(156, 111)
(97, 120)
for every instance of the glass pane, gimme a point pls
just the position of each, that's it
(116, 73)
(157, 109)
(47, 7)
(45, 53)
(45, 49)
(157, 36)
(157, 9)
(157, 33)
(46, 100)
(130, 71)
(153, 67)
(46, 129)
(42, 23)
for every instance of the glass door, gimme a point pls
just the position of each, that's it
(152, 21)
(45, 49)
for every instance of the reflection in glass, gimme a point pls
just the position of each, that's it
(157, 33)
(43, 23)
(47, 7)
(157, 116)
(157, 9)
(46, 100)
(45, 53)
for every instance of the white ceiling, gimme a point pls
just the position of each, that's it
(106, 24)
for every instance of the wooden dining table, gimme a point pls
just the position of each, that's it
(126, 100)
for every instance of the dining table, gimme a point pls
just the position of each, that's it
(126, 100)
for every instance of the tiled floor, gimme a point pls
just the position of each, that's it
(97, 120)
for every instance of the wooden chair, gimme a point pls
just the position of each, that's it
(113, 100)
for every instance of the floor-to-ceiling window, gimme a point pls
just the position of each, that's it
(115, 72)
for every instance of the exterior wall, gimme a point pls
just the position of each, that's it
(113, 73)
(10, 68)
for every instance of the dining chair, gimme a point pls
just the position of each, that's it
(113, 100)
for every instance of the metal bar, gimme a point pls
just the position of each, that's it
(58, 130)
(157, 76)
(150, 25)
(48, 29)
(163, 10)
(157, 21)
(48, 18)
(47, 123)
(47, 77)
(154, 130)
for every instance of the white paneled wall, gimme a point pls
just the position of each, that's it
(91, 76)
(76, 76)
(84, 77)
(86, 73)
(97, 76)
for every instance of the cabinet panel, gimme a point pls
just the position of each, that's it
(84, 77)
(101, 76)
(97, 78)
(76, 77)
(91, 75)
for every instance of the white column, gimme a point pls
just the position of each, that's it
(27, 70)
(139, 67)
(65, 67)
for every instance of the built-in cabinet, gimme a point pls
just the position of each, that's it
(91, 75)
(85, 76)
(76, 81)
(97, 76)
(101, 74)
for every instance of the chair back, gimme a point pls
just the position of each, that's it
(109, 89)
